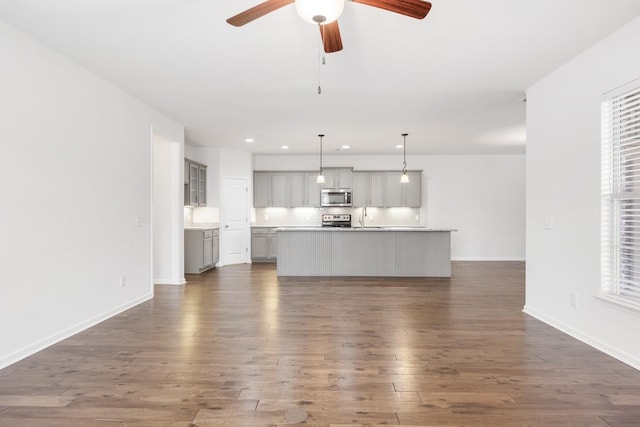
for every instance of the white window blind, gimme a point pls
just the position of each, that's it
(621, 196)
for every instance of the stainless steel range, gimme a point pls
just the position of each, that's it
(336, 220)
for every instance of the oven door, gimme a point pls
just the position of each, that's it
(335, 197)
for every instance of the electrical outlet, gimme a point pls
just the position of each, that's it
(138, 221)
(548, 223)
(573, 300)
(417, 218)
(266, 217)
(123, 281)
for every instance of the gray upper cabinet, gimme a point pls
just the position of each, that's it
(285, 189)
(297, 187)
(368, 189)
(376, 189)
(202, 185)
(337, 178)
(280, 189)
(312, 189)
(261, 189)
(195, 183)
(360, 190)
(398, 194)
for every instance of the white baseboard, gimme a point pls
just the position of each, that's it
(55, 338)
(463, 258)
(169, 282)
(631, 360)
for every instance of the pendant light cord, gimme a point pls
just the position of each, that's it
(321, 136)
(404, 154)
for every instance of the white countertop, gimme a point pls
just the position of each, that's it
(214, 227)
(360, 229)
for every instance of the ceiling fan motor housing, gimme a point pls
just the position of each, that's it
(319, 11)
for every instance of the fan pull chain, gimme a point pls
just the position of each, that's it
(321, 58)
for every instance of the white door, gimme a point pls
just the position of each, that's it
(235, 221)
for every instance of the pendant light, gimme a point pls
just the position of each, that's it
(404, 178)
(320, 179)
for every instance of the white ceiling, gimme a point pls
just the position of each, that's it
(454, 81)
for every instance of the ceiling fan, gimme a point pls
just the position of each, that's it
(325, 14)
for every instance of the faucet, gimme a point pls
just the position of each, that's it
(363, 214)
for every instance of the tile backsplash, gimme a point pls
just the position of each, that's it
(201, 216)
(312, 216)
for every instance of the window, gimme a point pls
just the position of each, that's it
(621, 196)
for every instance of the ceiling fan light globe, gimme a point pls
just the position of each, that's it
(310, 10)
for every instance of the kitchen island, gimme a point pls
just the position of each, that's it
(373, 251)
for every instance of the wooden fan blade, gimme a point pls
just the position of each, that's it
(414, 8)
(257, 12)
(331, 39)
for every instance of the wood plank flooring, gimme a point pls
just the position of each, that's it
(239, 347)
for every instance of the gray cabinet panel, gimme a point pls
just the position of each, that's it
(195, 183)
(297, 190)
(279, 189)
(312, 189)
(398, 194)
(393, 189)
(413, 190)
(200, 250)
(259, 247)
(337, 178)
(360, 189)
(261, 189)
(264, 244)
(202, 185)
(376, 189)
(368, 189)
(364, 253)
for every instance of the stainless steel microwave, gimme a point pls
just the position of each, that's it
(335, 197)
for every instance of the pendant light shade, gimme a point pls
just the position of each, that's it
(404, 178)
(320, 179)
(319, 11)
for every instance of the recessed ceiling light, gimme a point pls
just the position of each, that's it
(285, 147)
(249, 140)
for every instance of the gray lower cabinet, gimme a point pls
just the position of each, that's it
(201, 250)
(264, 244)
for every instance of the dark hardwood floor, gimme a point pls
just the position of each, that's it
(239, 347)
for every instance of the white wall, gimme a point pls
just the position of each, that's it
(168, 205)
(480, 196)
(563, 188)
(75, 173)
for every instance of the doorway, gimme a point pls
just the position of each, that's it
(235, 221)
